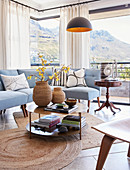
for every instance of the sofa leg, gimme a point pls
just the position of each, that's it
(88, 106)
(26, 110)
(23, 109)
(79, 100)
(98, 101)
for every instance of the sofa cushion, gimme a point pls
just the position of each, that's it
(10, 99)
(15, 82)
(76, 78)
(28, 92)
(62, 79)
(84, 93)
(8, 73)
(29, 72)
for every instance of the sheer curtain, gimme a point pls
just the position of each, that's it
(14, 35)
(74, 47)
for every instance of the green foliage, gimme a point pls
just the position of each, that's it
(124, 72)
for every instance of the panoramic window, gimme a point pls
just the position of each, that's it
(110, 41)
(44, 39)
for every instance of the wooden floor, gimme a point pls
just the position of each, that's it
(117, 158)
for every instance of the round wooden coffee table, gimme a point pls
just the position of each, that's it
(107, 84)
(40, 111)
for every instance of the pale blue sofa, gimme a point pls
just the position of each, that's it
(21, 97)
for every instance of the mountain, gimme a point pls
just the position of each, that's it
(105, 47)
(44, 41)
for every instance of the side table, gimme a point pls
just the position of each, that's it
(107, 84)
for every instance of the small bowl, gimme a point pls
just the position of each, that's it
(71, 102)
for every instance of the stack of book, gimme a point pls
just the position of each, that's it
(47, 121)
(73, 121)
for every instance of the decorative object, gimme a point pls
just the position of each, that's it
(64, 109)
(58, 96)
(15, 82)
(41, 90)
(103, 66)
(90, 138)
(42, 94)
(108, 71)
(114, 68)
(63, 129)
(71, 102)
(79, 24)
(76, 78)
(19, 152)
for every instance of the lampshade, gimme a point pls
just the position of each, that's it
(79, 24)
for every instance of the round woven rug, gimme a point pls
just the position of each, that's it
(90, 137)
(17, 151)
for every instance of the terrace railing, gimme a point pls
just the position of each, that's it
(123, 69)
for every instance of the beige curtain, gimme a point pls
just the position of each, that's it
(74, 47)
(14, 35)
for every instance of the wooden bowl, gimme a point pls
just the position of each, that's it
(71, 102)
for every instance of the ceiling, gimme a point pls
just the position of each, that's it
(45, 4)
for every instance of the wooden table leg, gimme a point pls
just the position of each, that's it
(80, 125)
(30, 124)
(112, 110)
(128, 151)
(112, 105)
(88, 106)
(107, 141)
(102, 106)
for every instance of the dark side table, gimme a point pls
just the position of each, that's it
(107, 84)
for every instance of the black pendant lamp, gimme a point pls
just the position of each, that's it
(79, 24)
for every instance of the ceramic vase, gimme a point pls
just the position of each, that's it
(42, 94)
(58, 96)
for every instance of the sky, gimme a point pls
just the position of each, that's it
(119, 27)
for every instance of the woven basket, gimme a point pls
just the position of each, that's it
(42, 94)
(58, 96)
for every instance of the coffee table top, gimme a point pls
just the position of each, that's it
(35, 109)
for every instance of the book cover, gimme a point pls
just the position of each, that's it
(73, 122)
(49, 118)
(72, 125)
(46, 125)
(73, 118)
